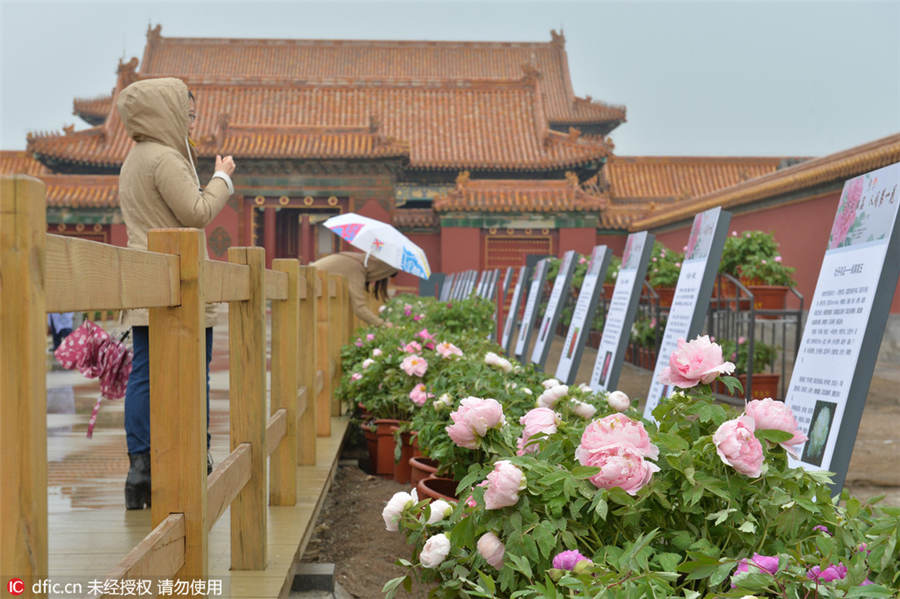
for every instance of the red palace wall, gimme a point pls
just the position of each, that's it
(460, 249)
(801, 229)
(581, 240)
(614, 242)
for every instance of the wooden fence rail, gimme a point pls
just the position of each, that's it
(42, 273)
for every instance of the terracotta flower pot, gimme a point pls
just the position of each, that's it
(767, 297)
(384, 463)
(438, 488)
(402, 467)
(666, 294)
(421, 468)
(765, 384)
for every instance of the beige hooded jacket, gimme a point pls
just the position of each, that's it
(351, 265)
(158, 184)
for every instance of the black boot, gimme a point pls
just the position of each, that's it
(137, 485)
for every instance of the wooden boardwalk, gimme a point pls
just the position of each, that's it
(89, 529)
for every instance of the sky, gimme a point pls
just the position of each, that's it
(721, 78)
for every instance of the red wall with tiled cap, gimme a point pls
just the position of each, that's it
(581, 240)
(614, 242)
(118, 235)
(460, 249)
(801, 230)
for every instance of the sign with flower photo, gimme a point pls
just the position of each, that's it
(846, 322)
(692, 293)
(622, 310)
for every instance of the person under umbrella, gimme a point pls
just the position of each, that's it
(361, 275)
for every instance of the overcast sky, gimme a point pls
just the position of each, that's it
(698, 78)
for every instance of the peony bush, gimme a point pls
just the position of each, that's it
(564, 492)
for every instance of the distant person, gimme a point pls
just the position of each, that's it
(159, 188)
(60, 324)
(360, 276)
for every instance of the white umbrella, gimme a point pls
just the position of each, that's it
(382, 241)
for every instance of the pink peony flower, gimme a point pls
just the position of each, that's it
(504, 484)
(742, 340)
(370, 337)
(471, 421)
(448, 350)
(491, 549)
(412, 347)
(407, 309)
(759, 563)
(566, 560)
(777, 258)
(582, 260)
(418, 395)
(620, 466)
(738, 447)
(435, 551)
(822, 528)
(418, 317)
(768, 414)
(414, 365)
(377, 352)
(425, 335)
(538, 420)
(359, 343)
(615, 429)
(367, 362)
(699, 361)
(355, 376)
(832, 572)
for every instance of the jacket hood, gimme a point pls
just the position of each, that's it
(377, 270)
(157, 110)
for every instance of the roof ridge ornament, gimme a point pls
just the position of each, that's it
(154, 33)
(462, 179)
(557, 38)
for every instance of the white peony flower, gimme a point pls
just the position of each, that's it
(440, 509)
(550, 383)
(585, 410)
(435, 551)
(394, 508)
(618, 401)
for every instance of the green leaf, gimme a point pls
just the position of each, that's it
(487, 582)
(733, 384)
(520, 564)
(773, 435)
(618, 495)
(747, 526)
(390, 587)
(720, 574)
(601, 507)
(669, 561)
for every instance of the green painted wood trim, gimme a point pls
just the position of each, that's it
(85, 216)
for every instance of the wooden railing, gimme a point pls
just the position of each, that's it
(42, 273)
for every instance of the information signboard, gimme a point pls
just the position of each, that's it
(509, 324)
(583, 315)
(558, 296)
(531, 305)
(447, 286)
(622, 309)
(692, 293)
(846, 321)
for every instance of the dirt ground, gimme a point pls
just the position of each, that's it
(350, 532)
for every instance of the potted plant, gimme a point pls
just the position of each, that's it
(764, 384)
(612, 272)
(752, 257)
(663, 271)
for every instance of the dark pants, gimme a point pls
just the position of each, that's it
(59, 335)
(137, 395)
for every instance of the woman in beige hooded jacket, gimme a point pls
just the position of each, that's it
(359, 273)
(159, 188)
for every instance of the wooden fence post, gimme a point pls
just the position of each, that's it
(335, 332)
(306, 433)
(23, 387)
(323, 357)
(178, 400)
(285, 376)
(247, 401)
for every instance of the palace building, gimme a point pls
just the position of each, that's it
(480, 151)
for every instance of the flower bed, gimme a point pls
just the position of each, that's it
(568, 493)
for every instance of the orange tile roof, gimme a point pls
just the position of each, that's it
(19, 161)
(519, 195)
(93, 110)
(308, 142)
(833, 168)
(82, 191)
(409, 218)
(450, 125)
(679, 177)
(307, 61)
